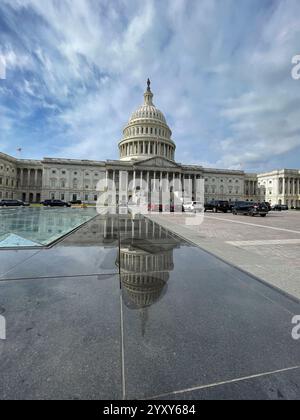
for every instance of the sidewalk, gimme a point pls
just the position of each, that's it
(268, 251)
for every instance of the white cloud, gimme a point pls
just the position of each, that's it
(220, 72)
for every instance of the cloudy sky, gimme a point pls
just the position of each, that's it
(220, 71)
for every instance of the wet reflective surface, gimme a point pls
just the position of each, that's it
(33, 227)
(125, 309)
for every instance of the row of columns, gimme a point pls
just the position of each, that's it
(189, 185)
(136, 131)
(30, 178)
(289, 186)
(139, 263)
(252, 188)
(147, 148)
(293, 186)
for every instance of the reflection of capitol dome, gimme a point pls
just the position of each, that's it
(142, 291)
(147, 133)
(144, 275)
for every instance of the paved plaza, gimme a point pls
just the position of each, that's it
(123, 308)
(268, 248)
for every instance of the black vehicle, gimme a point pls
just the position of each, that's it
(268, 205)
(13, 203)
(276, 207)
(279, 207)
(250, 208)
(55, 203)
(217, 205)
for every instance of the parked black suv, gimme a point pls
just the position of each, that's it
(55, 203)
(217, 205)
(251, 209)
(13, 203)
(268, 205)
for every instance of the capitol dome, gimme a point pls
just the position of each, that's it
(147, 133)
(148, 112)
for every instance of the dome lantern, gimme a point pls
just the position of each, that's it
(148, 95)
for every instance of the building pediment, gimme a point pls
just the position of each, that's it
(157, 162)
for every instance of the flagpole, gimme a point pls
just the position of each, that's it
(19, 150)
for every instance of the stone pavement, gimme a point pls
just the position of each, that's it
(268, 248)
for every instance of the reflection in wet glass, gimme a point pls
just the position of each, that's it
(145, 262)
(39, 226)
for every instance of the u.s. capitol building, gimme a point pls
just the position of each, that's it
(147, 152)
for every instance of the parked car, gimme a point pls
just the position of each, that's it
(276, 207)
(193, 206)
(217, 205)
(268, 205)
(279, 207)
(55, 203)
(250, 208)
(13, 203)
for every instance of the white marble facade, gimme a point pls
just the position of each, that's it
(281, 187)
(147, 152)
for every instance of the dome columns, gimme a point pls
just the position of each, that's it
(146, 148)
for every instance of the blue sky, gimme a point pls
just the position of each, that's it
(220, 71)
